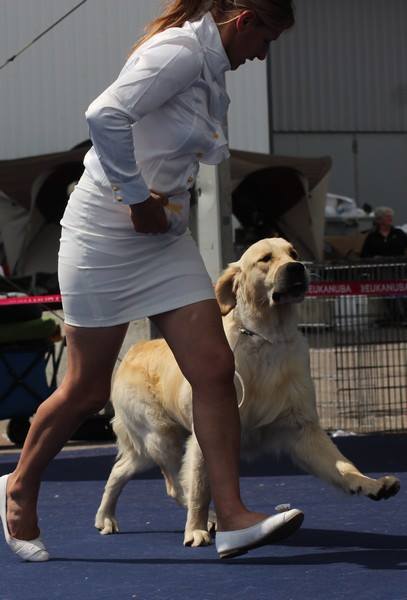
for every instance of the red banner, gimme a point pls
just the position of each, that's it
(324, 289)
(50, 299)
(389, 288)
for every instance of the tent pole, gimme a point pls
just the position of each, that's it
(270, 103)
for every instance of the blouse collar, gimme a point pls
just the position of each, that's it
(208, 35)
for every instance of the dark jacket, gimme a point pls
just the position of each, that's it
(395, 244)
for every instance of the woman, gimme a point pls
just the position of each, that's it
(126, 253)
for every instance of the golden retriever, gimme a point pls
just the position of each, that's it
(152, 400)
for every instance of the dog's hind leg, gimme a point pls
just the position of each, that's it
(166, 447)
(196, 486)
(212, 521)
(172, 484)
(314, 451)
(129, 462)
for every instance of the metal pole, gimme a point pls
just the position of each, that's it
(355, 152)
(270, 103)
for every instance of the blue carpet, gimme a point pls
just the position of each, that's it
(348, 546)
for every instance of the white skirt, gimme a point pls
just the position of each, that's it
(110, 274)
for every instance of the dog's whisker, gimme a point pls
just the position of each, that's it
(313, 275)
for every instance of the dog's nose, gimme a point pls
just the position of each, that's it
(295, 268)
(290, 279)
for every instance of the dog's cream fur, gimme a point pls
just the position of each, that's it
(152, 400)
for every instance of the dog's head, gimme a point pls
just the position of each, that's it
(267, 274)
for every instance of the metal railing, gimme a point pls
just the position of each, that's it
(355, 319)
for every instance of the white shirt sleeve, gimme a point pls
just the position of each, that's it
(158, 73)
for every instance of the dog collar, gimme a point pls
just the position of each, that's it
(250, 333)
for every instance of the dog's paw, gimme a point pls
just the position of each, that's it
(106, 525)
(197, 537)
(387, 486)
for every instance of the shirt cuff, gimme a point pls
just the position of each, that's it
(130, 193)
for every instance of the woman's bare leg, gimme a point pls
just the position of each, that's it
(195, 335)
(91, 356)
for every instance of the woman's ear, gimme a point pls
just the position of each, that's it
(245, 20)
(225, 288)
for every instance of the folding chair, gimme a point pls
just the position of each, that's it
(23, 381)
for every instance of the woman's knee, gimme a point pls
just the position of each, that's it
(215, 367)
(84, 398)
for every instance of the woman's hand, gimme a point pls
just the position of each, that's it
(149, 216)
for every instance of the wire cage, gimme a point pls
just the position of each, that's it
(355, 319)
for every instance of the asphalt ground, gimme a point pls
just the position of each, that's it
(347, 546)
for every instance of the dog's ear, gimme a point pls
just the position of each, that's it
(225, 288)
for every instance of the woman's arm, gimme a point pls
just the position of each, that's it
(158, 73)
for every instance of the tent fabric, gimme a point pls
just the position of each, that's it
(17, 177)
(33, 195)
(299, 218)
(313, 169)
(254, 207)
(297, 204)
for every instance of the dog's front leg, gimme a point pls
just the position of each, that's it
(196, 488)
(314, 451)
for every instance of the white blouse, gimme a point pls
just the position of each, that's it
(165, 112)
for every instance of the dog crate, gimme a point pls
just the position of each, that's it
(355, 319)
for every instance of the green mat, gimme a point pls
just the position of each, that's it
(37, 329)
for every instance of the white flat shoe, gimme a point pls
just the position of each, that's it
(273, 529)
(32, 550)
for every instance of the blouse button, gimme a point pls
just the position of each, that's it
(190, 179)
(119, 198)
(115, 188)
(216, 135)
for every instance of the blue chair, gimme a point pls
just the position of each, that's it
(24, 383)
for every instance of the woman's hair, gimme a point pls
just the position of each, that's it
(273, 13)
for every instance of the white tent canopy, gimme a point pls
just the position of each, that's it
(303, 224)
(34, 191)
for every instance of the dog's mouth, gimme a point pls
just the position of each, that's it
(290, 284)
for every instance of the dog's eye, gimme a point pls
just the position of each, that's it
(266, 258)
